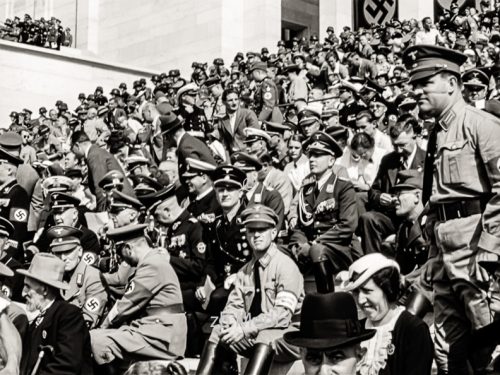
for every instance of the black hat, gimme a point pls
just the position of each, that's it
(292, 68)
(328, 321)
(330, 28)
(64, 238)
(174, 73)
(281, 43)
(410, 179)
(229, 175)
(112, 179)
(123, 85)
(424, 61)
(475, 77)
(136, 84)
(211, 81)
(157, 197)
(126, 233)
(120, 201)
(11, 141)
(14, 114)
(338, 131)
(321, 142)
(7, 157)
(264, 50)
(115, 92)
(246, 162)
(81, 96)
(74, 173)
(42, 110)
(405, 99)
(63, 201)
(169, 123)
(218, 61)
(142, 81)
(99, 88)
(145, 185)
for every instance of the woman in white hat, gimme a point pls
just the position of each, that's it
(402, 343)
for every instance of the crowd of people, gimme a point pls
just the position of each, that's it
(251, 210)
(39, 32)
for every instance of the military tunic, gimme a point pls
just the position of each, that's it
(327, 218)
(14, 206)
(87, 292)
(149, 318)
(266, 101)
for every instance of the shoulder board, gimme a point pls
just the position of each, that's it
(193, 219)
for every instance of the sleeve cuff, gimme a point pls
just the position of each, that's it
(489, 242)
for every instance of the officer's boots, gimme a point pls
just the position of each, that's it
(261, 360)
(323, 277)
(418, 304)
(217, 360)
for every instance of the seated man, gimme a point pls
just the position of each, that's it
(324, 348)
(86, 290)
(267, 294)
(148, 321)
(59, 325)
(327, 215)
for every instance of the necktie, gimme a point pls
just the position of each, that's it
(255, 308)
(429, 165)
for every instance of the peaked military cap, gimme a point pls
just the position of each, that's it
(254, 134)
(145, 185)
(112, 179)
(475, 77)
(229, 175)
(64, 201)
(64, 238)
(322, 143)
(126, 233)
(259, 216)
(424, 61)
(246, 162)
(195, 167)
(259, 66)
(57, 184)
(120, 201)
(409, 180)
(275, 127)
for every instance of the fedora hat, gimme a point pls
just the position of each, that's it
(170, 123)
(328, 321)
(48, 269)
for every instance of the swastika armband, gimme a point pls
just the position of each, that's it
(19, 215)
(92, 305)
(285, 299)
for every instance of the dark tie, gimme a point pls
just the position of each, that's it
(429, 164)
(255, 308)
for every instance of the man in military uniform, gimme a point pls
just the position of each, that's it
(182, 235)
(462, 187)
(14, 202)
(266, 94)
(267, 294)
(476, 84)
(255, 191)
(85, 287)
(148, 321)
(229, 246)
(204, 205)
(327, 214)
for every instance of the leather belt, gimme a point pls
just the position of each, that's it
(458, 209)
(172, 309)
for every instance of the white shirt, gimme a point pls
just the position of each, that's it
(232, 121)
(297, 171)
(426, 37)
(361, 170)
(409, 161)
(383, 141)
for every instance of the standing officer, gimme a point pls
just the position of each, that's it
(14, 201)
(327, 214)
(266, 94)
(148, 321)
(85, 288)
(462, 186)
(267, 294)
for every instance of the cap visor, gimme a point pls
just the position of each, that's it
(262, 224)
(63, 247)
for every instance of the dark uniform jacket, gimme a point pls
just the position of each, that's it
(229, 248)
(187, 249)
(328, 218)
(388, 170)
(266, 101)
(64, 328)
(14, 206)
(411, 247)
(270, 198)
(191, 147)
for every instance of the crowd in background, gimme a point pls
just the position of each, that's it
(197, 216)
